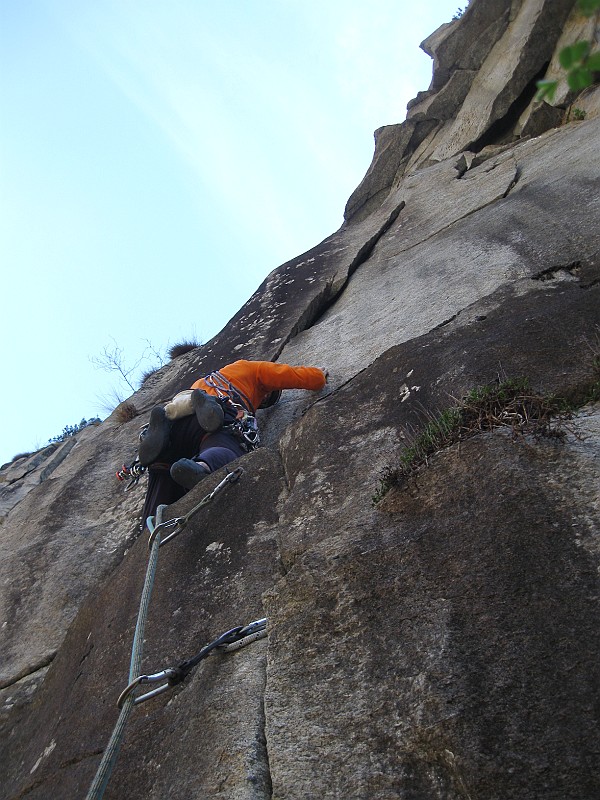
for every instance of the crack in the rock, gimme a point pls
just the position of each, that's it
(515, 180)
(320, 304)
(59, 452)
(27, 671)
(500, 130)
(264, 744)
(38, 459)
(286, 477)
(445, 322)
(552, 273)
(467, 215)
(590, 285)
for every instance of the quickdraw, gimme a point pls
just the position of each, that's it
(230, 640)
(131, 472)
(245, 427)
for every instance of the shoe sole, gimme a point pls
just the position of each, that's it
(155, 438)
(188, 473)
(209, 413)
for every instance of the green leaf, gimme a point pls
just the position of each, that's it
(546, 90)
(593, 62)
(566, 57)
(579, 78)
(574, 54)
(589, 7)
(581, 50)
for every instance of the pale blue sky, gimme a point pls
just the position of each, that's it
(159, 159)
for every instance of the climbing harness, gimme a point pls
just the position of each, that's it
(131, 472)
(244, 426)
(232, 639)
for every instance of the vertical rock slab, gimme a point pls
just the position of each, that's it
(206, 736)
(444, 644)
(449, 641)
(441, 645)
(512, 64)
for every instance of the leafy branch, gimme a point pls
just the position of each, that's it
(577, 60)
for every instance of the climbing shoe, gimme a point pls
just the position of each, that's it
(155, 437)
(188, 473)
(209, 411)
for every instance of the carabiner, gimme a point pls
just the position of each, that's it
(241, 637)
(231, 477)
(252, 627)
(166, 674)
(169, 523)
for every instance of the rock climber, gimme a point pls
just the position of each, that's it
(211, 424)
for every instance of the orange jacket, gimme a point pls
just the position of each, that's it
(257, 379)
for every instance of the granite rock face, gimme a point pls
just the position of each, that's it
(441, 643)
(482, 90)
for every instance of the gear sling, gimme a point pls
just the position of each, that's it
(239, 411)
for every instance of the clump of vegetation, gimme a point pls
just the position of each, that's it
(459, 12)
(578, 60)
(71, 430)
(18, 457)
(182, 348)
(512, 404)
(148, 374)
(125, 412)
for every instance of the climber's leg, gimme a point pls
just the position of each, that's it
(162, 490)
(215, 451)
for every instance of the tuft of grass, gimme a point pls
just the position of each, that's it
(511, 404)
(182, 348)
(125, 412)
(18, 457)
(388, 479)
(148, 374)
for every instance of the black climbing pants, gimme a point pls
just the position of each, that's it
(187, 440)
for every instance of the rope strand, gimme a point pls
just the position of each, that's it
(232, 640)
